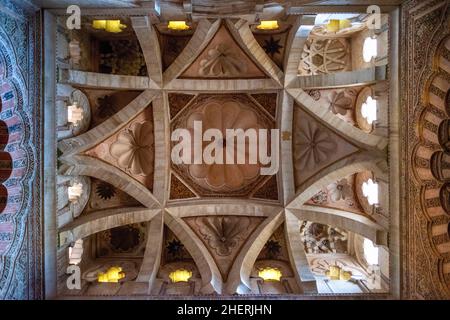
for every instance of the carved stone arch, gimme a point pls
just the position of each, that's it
(211, 278)
(88, 166)
(425, 100)
(353, 164)
(148, 40)
(343, 220)
(239, 276)
(297, 254)
(348, 131)
(104, 220)
(22, 154)
(440, 166)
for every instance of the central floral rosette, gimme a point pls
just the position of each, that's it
(223, 115)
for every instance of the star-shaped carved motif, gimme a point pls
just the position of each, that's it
(272, 46)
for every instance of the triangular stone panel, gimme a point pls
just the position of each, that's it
(315, 146)
(223, 58)
(224, 236)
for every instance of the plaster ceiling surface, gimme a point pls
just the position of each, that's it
(222, 222)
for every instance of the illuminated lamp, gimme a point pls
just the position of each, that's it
(99, 24)
(334, 25)
(180, 275)
(178, 25)
(268, 25)
(344, 24)
(113, 275)
(270, 274)
(112, 26)
(337, 273)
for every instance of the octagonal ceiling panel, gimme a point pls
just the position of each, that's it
(226, 111)
(223, 58)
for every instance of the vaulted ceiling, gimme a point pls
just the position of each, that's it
(121, 193)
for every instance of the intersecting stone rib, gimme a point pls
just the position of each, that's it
(295, 44)
(297, 255)
(161, 173)
(98, 221)
(358, 162)
(153, 249)
(94, 80)
(287, 165)
(243, 264)
(341, 79)
(92, 167)
(345, 220)
(207, 267)
(148, 40)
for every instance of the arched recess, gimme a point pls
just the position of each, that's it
(78, 104)
(343, 220)
(239, 275)
(296, 42)
(92, 167)
(4, 132)
(67, 208)
(287, 161)
(297, 255)
(211, 277)
(363, 161)
(17, 191)
(219, 207)
(6, 166)
(3, 198)
(103, 220)
(350, 132)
